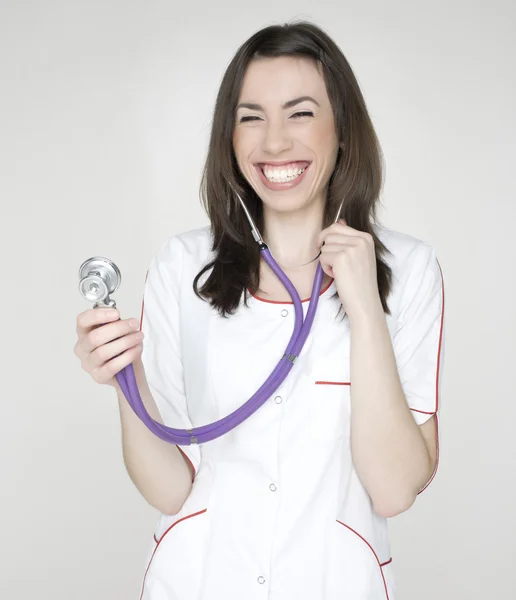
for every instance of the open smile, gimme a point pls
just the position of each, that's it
(281, 176)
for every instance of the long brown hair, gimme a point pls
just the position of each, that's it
(357, 177)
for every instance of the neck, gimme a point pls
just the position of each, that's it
(292, 236)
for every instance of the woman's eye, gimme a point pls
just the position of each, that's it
(303, 113)
(249, 118)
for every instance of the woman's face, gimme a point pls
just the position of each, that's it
(284, 136)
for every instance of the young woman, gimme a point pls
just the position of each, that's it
(292, 504)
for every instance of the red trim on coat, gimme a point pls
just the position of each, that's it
(143, 303)
(287, 302)
(440, 343)
(380, 565)
(332, 383)
(386, 563)
(161, 539)
(437, 399)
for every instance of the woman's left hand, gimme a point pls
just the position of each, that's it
(348, 255)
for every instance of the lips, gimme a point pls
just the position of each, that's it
(301, 164)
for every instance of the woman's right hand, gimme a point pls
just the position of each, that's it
(106, 344)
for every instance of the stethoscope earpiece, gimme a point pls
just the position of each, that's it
(99, 277)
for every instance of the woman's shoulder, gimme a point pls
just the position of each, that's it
(403, 248)
(190, 248)
(414, 263)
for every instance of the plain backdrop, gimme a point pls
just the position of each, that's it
(105, 112)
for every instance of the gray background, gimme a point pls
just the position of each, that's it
(105, 110)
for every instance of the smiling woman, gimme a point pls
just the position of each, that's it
(291, 504)
(292, 135)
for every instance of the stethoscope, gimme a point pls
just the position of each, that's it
(100, 277)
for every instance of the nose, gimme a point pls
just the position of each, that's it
(276, 139)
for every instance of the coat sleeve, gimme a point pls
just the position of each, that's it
(418, 343)
(161, 355)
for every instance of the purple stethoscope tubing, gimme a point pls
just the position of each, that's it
(205, 433)
(127, 380)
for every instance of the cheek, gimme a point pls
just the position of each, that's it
(243, 147)
(237, 145)
(326, 138)
(326, 145)
(244, 141)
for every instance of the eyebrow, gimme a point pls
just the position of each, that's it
(288, 104)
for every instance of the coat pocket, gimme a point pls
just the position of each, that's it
(176, 563)
(330, 394)
(366, 572)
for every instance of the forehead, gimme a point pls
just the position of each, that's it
(277, 80)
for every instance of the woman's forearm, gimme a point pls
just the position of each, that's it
(389, 452)
(157, 468)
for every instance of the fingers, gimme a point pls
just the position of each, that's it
(107, 351)
(329, 253)
(105, 343)
(343, 227)
(342, 230)
(107, 333)
(341, 240)
(94, 317)
(107, 372)
(100, 333)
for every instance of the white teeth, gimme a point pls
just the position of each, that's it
(282, 175)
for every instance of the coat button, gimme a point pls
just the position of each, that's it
(261, 579)
(272, 487)
(284, 312)
(278, 399)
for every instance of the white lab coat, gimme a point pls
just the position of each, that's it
(277, 510)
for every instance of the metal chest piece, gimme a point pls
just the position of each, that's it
(99, 277)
